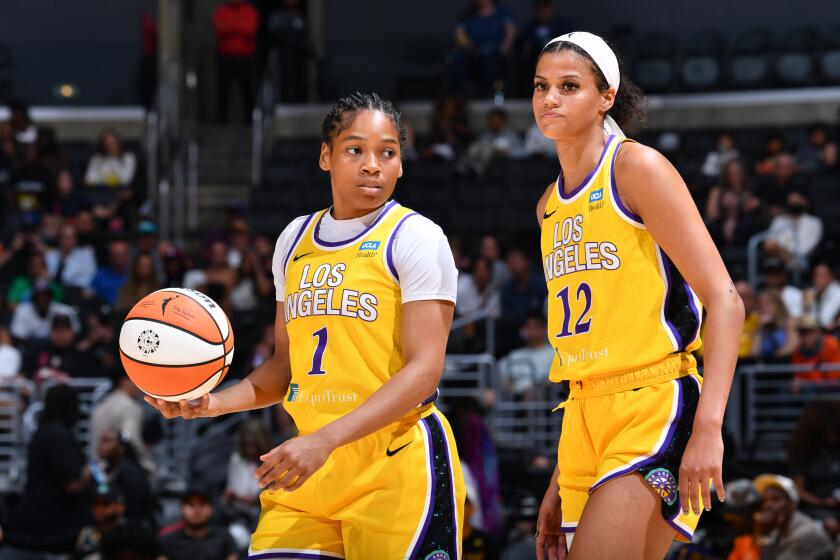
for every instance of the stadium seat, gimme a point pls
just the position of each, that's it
(829, 57)
(6, 74)
(750, 63)
(422, 64)
(701, 64)
(297, 150)
(794, 66)
(654, 67)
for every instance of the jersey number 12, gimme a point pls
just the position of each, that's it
(581, 326)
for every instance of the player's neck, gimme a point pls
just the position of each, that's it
(578, 156)
(344, 212)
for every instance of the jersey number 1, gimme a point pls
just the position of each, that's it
(318, 358)
(581, 326)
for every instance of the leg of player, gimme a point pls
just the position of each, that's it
(622, 519)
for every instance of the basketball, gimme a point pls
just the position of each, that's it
(176, 344)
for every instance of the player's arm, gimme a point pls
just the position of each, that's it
(543, 203)
(265, 386)
(650, 186)
(425, 330)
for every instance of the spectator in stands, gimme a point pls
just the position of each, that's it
(122, 413)
(478, 292)
(815, 348)
(148, 243)
(217, 279)
(525, 293)
(774, 189)
(109, 280)
(32, 320)
(476, 544)
(130, 542)
(794, 234)
(814, 455)
(235, 23)
(521, 541)
(31, 182)
(484, 38)
(733, 177)
(100, 341)
(783, 533)
(20, 126)
(777, 336)
(526, 368)
(543, 26)
(752, 318)
(58, 358)
(174, 266)
(108, 512)
(819, 154)
(776, 276)
(499, 141)
(11, 360)
(55, 503)
(141, 282)
(492, 251)
(67, 201)
(825, 295)
(241, 497)
(733, 226)
(724, 152)
(22, 288)
(451, 132)
(252, 286)
(197, 538)
(124, 473)
(239, 241)
(70, 264)
(774, 146)
(742, 504)
(287, 38)
(111, 165)
(537, 145)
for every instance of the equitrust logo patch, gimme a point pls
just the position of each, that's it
(293, 392)
(368, 249)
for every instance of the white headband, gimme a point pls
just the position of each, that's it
(605, 60)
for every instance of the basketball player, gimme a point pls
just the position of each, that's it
(365, 296)
(629, 267)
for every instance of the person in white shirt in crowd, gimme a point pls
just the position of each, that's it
(10, 357)
(69, 263)
(32, 320)
(537, 145)
(241, 497)
(122, 412)
(777, 277)
(794, 234)
(724, 152)
(478, 292)
(525, 368)
(498, 141)
(825, 295)
(111, 165)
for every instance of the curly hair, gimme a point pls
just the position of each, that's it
(628, 110)
(811, 431)
(344, 112)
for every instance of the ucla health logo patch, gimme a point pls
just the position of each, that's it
(369, 246)
(663, 483)
(293, 392)
(596, 196)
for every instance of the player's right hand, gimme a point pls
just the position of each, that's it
(549, 523)
(205, 407)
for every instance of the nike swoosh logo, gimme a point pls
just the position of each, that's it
(390, 453)
(546, 215)
(296, 257)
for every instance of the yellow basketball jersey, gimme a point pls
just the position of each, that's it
(343, 316)
(615, 300)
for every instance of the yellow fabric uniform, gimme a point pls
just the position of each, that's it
(397, 493)
(620, 317)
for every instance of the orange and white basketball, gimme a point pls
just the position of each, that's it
(176, 344)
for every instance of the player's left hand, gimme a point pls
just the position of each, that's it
(701, 463)
(290, 464)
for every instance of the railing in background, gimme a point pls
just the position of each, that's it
(262, 118)
(13, 395)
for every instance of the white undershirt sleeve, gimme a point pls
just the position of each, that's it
(281, 249)
(423, 262)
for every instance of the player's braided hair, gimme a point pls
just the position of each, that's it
(342, 114)
(628, 110)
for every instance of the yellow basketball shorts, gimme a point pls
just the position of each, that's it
(629, 422)
(397, 493)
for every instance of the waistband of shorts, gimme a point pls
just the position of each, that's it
(672, 367)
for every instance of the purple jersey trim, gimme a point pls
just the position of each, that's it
(687, 534)
(291, 555)
(389, 251)
(451, 475)
(669, 288)
(690, 293)
(427, 515)
(657, 454)
(296, 241)
(577, 189)
(614, 188)
(390, 205)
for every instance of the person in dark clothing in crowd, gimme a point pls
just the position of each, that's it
(235, 23)
(59, 358)
(198, 539)
(484, 40)
(108, 512)
(55, 503)
(287, 42)
(130, 542)
(543, 26)
(125, 474)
